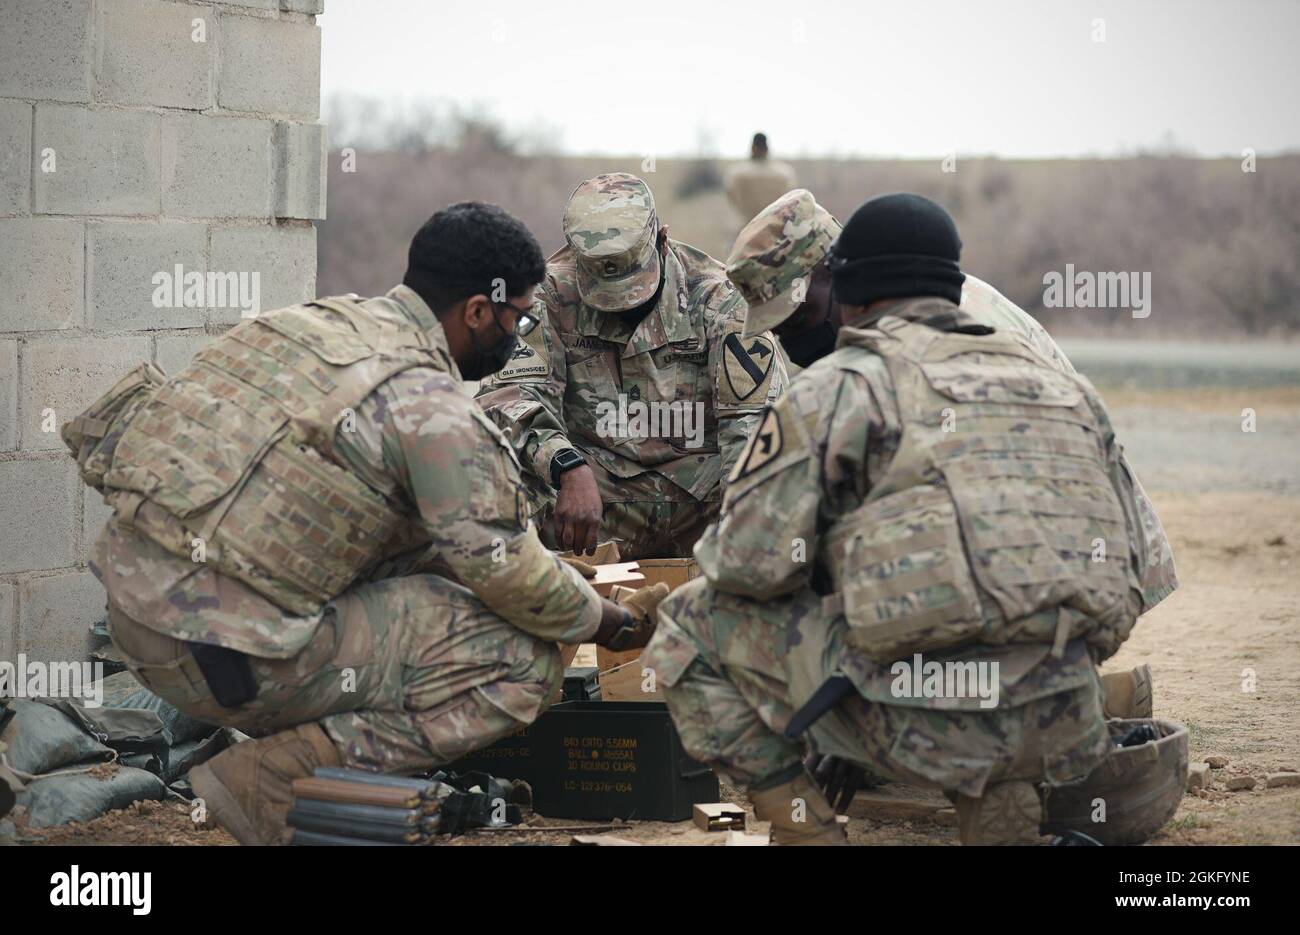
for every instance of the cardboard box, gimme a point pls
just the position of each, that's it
(627, 682)
(718, 816)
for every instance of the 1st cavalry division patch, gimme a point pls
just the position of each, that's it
(763, 446)
(747, 365)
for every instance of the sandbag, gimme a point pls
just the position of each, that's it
(41, 739)
(124, 729)
(180, 725)
(80, 796)
(186, 756)
(117, 687)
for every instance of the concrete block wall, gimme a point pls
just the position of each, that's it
(135, 136)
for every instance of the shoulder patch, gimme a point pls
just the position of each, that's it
(763, 447)
(746, 369)
(530, 363)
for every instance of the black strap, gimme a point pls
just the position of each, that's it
(833, 690)
(228, 673)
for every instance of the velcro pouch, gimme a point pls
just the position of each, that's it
(92, 436)
(904, 576)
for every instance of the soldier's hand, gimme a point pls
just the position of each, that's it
(630, 623)
(839, 779)
(578, 510)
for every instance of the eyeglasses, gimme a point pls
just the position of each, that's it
(525, 320)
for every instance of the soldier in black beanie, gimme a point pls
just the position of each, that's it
(897, 246)
(931, 473)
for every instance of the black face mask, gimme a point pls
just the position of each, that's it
(808, 347)
(488, 360)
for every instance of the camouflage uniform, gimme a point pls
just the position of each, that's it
(990, 307)
(779, 249)
(434, 633)
(743, 649)
(583, 367)
(774, 257)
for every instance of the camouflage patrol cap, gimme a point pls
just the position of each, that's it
(778, 248)
(611, 226)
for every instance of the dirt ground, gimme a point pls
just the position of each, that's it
(1224, 649)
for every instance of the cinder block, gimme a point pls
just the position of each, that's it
(55, 614)
(8, 638)
(62, 377)
(172, 352)
(94, 514)
(284, 259)
(301, 169)
(147, 54)
(303, 6)
(269, 66)
(216, 167)
(45, 49)
(42, 267)
(8, 395)
(132, 268)
(105, 161)
(38, 502)
(15, 157)
(254, 4)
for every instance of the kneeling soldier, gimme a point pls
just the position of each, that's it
(319, 538)
(905, 570)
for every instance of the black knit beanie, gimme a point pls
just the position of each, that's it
(896, 246)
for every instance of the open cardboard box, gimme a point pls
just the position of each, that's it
(620, 673)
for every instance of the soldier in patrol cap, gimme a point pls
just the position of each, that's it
(928, 498)
(319, 538)
(633, 398)
(778, 263)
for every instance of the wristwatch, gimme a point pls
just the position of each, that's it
(565, 460)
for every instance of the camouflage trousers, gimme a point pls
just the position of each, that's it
(404, 674)
(648, 515)
(735, 671)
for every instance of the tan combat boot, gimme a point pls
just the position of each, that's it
(1007, 813)
(1127, 694)
(781, 806)
(247, 788)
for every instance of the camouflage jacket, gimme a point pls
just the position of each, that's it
(813, 459)
(990, 307)
(580, 379)
(420, 440)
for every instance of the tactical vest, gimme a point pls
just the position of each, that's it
(235, 454)
(998, 520)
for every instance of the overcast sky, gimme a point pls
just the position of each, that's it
(911, 79)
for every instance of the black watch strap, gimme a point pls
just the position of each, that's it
(565, 460)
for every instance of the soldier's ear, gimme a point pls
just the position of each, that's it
(477, 308)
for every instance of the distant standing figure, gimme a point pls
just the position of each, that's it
(754, 185)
